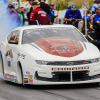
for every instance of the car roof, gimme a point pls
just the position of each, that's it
(43, 26)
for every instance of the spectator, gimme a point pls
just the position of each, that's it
(11, 18)
(51, 15)
(95, 6)
(44, 6)
(38, 16)
(22, 11)
(88, 22)
(28, 14)
(95, 19)
(73, 16)
(21, 16)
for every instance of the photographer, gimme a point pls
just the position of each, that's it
(96, 3)
(95, 19)
(51, 15)
(73, 16)
(88, 22)
(28, 14)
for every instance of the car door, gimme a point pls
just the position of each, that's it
(12, 51)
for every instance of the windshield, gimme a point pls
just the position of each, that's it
(33, 35)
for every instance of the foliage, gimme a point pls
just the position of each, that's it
(63, 3)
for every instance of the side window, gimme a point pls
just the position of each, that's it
(13, 38)
(9, 36)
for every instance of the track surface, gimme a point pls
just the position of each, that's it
(11, 91)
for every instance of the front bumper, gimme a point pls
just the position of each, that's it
(87, 73)
(68, 76)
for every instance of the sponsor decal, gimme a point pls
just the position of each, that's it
(25, 76)
(9, 53)
(10, 59)
(27, 72)
(30, 80)
(86, 62)
(15, 79)
(21, 56)
(65, 49)
(8, 78)
(9, 63)
(30, 76)
(60, 46)
(70, 63)
(5, 76)
(25, 80)
(11, 79)
(70, 69)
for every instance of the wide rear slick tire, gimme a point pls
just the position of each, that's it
(1, 64)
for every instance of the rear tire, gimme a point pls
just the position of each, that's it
(1, 64)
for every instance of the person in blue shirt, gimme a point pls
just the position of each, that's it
(88, 22)
(95, 6)
(88, 17)
(95, 19)
(51, 15)
(73, 16)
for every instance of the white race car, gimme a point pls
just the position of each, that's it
(51, 54)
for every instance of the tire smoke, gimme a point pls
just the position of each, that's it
(8, 21)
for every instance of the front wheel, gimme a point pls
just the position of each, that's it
(20, 75)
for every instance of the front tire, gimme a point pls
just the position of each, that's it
(19, 73)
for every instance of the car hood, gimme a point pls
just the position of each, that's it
(37, 50)
(60, 46)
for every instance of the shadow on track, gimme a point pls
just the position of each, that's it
(13, 84)
(62, 87)
(52, 87)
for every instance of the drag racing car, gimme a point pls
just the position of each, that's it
(51, 54)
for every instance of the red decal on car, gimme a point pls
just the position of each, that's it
(30, 80)
(27, 72)
(60, 46)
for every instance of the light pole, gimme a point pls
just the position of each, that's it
(85, 19)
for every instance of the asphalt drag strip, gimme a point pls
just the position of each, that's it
(12, 91)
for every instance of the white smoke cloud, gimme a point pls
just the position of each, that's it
(3, 7)
(7, 23)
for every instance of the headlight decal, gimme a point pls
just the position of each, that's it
(40, 62)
